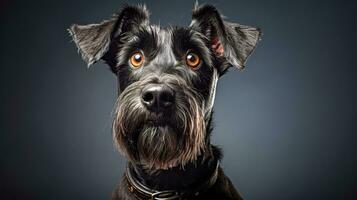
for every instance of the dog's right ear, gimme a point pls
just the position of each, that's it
(94, 40)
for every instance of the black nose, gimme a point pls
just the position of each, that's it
(157, 98)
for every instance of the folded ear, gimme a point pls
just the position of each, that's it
(94, 40)
(231, 41)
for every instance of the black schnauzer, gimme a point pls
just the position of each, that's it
(167, 80)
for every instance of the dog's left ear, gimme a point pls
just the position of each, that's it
(231, 41)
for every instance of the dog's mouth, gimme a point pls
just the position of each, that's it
(159, 119)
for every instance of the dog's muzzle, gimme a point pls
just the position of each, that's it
(159, 122)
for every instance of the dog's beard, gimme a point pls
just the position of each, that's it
(177, 141)
(158, 146)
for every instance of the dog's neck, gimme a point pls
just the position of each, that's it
(190, 176)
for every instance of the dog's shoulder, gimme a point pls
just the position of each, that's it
(223, 189)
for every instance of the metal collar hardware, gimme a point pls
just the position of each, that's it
(143, 192)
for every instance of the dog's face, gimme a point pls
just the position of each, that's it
(167, 79)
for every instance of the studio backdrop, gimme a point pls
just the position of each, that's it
(286, 123)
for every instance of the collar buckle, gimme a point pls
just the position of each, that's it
(165, 195)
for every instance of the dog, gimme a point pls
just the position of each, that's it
(167, 78)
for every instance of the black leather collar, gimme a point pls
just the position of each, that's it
(143, 192)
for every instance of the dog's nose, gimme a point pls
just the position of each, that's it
(157, 98)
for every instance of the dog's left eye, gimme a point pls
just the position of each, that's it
(137, 59)
(193, 60)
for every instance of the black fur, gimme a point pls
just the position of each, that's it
(169, 149)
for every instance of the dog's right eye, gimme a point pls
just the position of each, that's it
(193, 60)
(137, 59)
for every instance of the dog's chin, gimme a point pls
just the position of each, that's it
(158, 145)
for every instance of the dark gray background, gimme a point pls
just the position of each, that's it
(287, 123)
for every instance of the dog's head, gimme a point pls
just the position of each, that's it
(167, 79)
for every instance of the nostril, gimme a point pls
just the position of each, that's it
(148, 96)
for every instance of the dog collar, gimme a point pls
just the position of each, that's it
(143, 192)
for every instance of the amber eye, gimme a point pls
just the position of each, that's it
(193, 60)
(137, 59)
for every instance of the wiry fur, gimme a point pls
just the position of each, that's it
(165, 146)
(169, 149)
